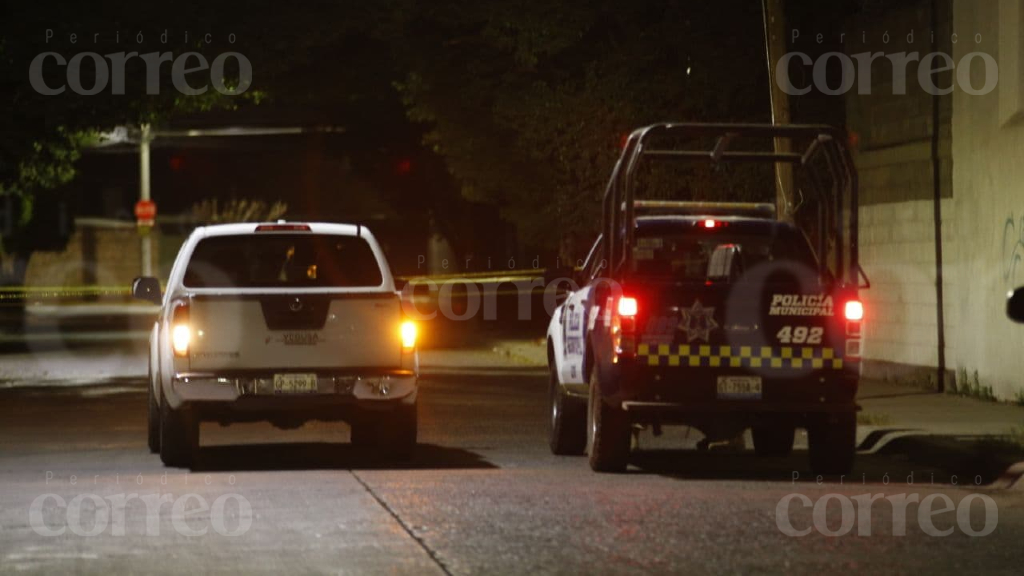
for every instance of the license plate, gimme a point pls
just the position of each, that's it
(739, 387)
(294, 383)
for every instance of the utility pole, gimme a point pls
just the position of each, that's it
(775, 48)
(144, 194)
(122, 135)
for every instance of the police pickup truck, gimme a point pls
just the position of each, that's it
(280, 322)
(713, 315)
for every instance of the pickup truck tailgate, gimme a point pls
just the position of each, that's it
(295, 331)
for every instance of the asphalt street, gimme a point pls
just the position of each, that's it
(79, 492)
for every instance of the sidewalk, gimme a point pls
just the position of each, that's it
(90, 309)
(81, 323)
(69, 366)
(952, 432)
(526, 352)
(935, 412)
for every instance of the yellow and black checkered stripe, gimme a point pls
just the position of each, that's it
(707, 356)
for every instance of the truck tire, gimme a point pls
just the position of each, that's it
(391, 436)
(832, 444)
(153, 420)
(773, 439)
(567, 427)
(179, 435)
(608, 432)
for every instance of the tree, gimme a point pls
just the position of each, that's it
(526, 101)
(212, 212)
(44, 137)
(529, 101)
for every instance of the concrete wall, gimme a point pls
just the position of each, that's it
(982, 182)
(988, 177)
(103, 252)
(894, 159)
(898, 254)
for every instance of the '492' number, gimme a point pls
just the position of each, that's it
(800, 335)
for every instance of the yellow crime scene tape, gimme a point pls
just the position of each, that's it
(55, 292)
(35, 293)
(489, 276)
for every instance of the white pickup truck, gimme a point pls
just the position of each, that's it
(280, 322)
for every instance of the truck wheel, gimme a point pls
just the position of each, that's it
(608, 432)
(390, 435)
(179, 435)
(832, 444)
(153, 420)
(773, 439)
(568, 423)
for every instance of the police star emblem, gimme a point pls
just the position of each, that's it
(697, 322)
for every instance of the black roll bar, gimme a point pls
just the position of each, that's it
(618, 207)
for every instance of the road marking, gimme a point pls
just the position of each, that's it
(408, 529)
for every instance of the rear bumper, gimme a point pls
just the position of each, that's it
(293, 410)
(668, 411)
(255, 389)
(722, 420)
(684, 394)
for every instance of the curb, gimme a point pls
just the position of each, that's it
(999, 471)
(961, 456)
(1011, 477)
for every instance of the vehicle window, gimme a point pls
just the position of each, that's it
(688, 257)
(282, 261)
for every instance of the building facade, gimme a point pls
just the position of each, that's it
(942, 184)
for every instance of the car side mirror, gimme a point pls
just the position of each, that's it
(1015, 305)
(146, 288)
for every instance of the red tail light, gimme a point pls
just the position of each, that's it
(624, 328)
(854, 311)
(628, 307)
(283, 228)
(709, 223)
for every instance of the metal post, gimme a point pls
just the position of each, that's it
(940, 301)
(120, 135)
(146, 245)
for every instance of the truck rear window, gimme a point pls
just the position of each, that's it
(282, 261)
(701, 257)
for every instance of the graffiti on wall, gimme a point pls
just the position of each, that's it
(1013, 250)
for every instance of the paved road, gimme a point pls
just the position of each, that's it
(482, 496)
